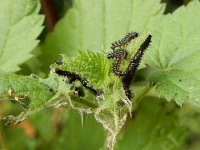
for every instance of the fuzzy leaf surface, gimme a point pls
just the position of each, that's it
(19, 28)
(90, 65)
(24, 89)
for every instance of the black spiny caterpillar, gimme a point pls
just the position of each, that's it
(118, 55)
(130, 36)
(135, 61)
(116, 70)
(73, 77)
(133, 65)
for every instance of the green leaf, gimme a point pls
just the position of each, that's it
(174, 55)
(19, 28)
(27, 91)
(94, 25)
(92, 66)
(33, 64)
(154, 127)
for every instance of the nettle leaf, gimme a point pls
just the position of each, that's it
(33, 93)
(27, 91)
(174, 55)
(90, 65)
(95, 24)
(19, 28)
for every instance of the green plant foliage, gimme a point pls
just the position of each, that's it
(33, 64)
(19, 28)
(155, 127)
(94, 25)
(95, 67)
(174, 55)
(26, 90)
(92, 66)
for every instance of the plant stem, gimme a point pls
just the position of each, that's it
(139, 97)
(135, 100)
(50, 14)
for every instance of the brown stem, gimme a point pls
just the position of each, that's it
(50, 15)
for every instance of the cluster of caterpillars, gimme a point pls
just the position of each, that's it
(119, 53)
